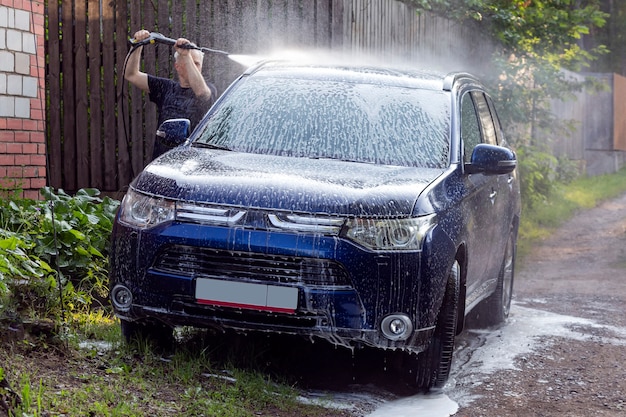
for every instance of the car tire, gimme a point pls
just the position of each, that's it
(434, 364)
(495, 309)
(160, 335)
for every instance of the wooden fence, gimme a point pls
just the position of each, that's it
(598, 143)
(100, 129)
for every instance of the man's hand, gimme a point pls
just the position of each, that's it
(141, 35)
(180, 46)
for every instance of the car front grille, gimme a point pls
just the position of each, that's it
(205, 262)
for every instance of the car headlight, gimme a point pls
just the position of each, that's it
(144, 211)
(390, 234)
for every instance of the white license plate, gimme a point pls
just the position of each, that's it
(273, 298)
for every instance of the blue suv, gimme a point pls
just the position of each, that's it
(361, 205)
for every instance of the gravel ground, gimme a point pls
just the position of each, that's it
(578, 277)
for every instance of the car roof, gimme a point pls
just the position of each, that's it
(401, 76)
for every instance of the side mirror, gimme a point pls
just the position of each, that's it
(173, 132)
(491, 160)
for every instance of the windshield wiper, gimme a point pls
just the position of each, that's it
(211, 146)
(330, 158)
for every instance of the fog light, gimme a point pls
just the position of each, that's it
(397, 327)
(121, 297)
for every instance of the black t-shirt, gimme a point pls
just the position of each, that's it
(175, 102)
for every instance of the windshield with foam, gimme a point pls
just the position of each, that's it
(362, 122)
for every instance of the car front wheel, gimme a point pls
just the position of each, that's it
(433, 365)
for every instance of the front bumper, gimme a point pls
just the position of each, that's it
(343, 292)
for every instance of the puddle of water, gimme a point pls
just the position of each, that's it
(423, 405)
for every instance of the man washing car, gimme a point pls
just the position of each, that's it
(190, 97)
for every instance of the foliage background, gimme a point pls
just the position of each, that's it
(54, 249)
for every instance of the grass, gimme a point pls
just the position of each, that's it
(129, 381)
(583, 193)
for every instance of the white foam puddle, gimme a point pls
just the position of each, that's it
(528, 330)
(426, 405)
(341, 401)
(97, 345)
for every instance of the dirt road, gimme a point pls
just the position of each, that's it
(574, 286)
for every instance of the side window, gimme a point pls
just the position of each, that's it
(470, 130)
(488, 128)
(496, 122)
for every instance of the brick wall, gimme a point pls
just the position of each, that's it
(22, 98)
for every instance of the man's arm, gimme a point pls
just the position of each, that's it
(197, 82)
(193, 72)
(132, 73)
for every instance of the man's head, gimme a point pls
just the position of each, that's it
(196, 56)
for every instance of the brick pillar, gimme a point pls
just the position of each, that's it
(22, 98)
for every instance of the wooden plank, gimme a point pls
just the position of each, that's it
(369, 11)
(69, 109)
(80, 98)
(307, 20)
(279, 25)
(343, 24)
(132, 100)
(108, 63)
(264, 25)
(220, 24)
(249, 33)
(233, 42)
(163, 52)
(322, 23)
(191, 30)
(294, 20)
(176, 17)
(234, 27)
(54, 114)
(619, 113)
(95, 96)
(150, 110)
(124, 168)
(206, 33)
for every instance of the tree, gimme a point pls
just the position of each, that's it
(540, 40)
(613, 35)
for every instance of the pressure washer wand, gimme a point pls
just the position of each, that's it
(156, 37)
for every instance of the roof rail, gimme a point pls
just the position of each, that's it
(452, 77)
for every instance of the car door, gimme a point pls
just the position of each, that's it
(508, 189)
(481, 208)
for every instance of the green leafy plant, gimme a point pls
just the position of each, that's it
(62, 240)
